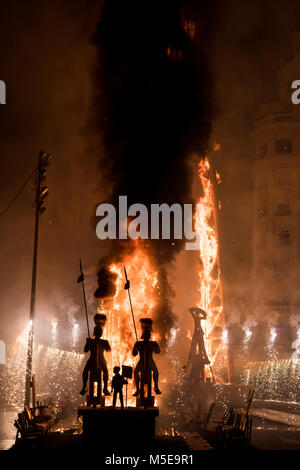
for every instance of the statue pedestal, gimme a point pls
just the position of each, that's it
(145, 402)
(95, 401)
(120, 426)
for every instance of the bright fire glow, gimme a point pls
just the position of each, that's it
(296, 348)
(54, 331)
(273, 335)
(225, 336)
(210, 288)
(218, 177)
(248, 334)
(119, 329)
(75, 336)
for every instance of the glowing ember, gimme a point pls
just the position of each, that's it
(210, 287)
(218, 177)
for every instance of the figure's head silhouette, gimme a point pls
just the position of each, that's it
(116, 369)
(146, 334)
(146, 324)
(198, 312)
(100, 320)
(98, 331)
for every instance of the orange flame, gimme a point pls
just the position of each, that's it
(119, 329)
(210, 286)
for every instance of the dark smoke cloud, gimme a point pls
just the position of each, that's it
(153, 106)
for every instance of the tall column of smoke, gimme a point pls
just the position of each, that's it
(152, 106)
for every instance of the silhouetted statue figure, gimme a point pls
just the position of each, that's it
(100, 320)
(197, 359)
(96, 363)
(146, 363)
(117, 386)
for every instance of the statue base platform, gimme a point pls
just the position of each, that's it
(95, 401)
(108, 424)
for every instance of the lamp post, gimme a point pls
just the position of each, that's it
(40, 196)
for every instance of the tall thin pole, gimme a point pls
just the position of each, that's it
(81, 279)
(40, 196)
(127, 287)
(33, 290)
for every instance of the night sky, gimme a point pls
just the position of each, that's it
(49, 63)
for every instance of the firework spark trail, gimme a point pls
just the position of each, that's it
(176, 412)
(210, 287)
(275, 380)
(296, 348)
(57, 372)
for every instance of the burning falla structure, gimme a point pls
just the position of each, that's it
(153, 107)
(150, 299)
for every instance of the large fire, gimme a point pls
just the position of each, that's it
(144, 290)
(146, 295)
(210, 285)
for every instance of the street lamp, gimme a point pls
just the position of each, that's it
(40, 197)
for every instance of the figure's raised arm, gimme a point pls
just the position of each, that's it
(87, 346)
(135, 350)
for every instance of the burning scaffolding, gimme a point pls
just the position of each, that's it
(210, 283)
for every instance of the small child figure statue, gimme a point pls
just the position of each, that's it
(117, 385)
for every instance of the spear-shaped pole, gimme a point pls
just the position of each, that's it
(127, 287)
(212, 374)
(81, 279)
